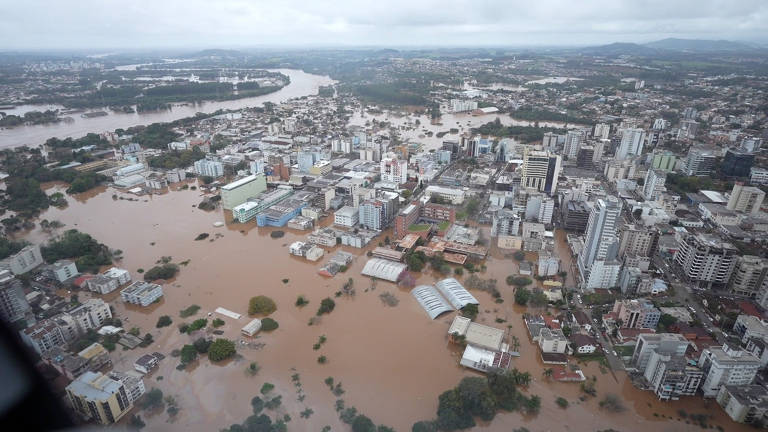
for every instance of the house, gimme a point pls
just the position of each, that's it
(583, 344)
(145, 363)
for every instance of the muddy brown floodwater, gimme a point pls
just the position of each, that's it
(393, 362)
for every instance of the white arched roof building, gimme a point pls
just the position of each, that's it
(384, 269)
(432, 302)
(452, 290)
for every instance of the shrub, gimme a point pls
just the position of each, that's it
(277, 234)
(268, 324)
(326, 306)
(301, 301)
(164, 321)
(188, 312)
(218, 322)
(221, 349)
(197, 325)
(152, 399)
(201, 236)
(261, 305)
(362, 423)
(257, 404)
(562, 402)
(322, 359)
(266, 388)
(273, 403)
(165, 271)
(470, 311)
(188, 354)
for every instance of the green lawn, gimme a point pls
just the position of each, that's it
(419, 227)
(444, 225)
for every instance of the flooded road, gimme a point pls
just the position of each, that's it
(302, 84)
(393, 362)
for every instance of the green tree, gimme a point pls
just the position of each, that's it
(470, 311)
(362, 423)
(268, 324)
(164, 321)
(152, 399)
(261, 305)
(326, 306)
(188, 354)
(221, 349)
(257, 404)
(522, 295)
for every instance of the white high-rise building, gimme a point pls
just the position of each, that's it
(726, 365)
(597, 262)
(654, 184)
(632, 141)
(540, 171)
(394, 170)
(573, 141)
(209, 168)
(747, 199)
(461, 105)
(602, 131)
(550, 141)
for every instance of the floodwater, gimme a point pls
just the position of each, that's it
(393, 362)
(302, 84)
(407, 128)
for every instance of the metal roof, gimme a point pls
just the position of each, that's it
(432, 302)
(455, 293)
(384, 269)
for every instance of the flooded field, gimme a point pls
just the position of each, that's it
(393, 362)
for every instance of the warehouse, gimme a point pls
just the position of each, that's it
(432, 302)
(384, 269)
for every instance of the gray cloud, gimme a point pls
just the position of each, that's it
(242, 23)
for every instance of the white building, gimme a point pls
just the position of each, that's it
(747, 199)
(597, 264)
(238, 192)
(393, 170)
(141, 293)
(632, 141)
(452, 195)
(64, 270)
(209, 168)
(758, 175)
(24, 260)
(726, 366)
(654, 184)
(346, 216)
(460, 105)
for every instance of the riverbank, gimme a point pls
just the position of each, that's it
(301, 84)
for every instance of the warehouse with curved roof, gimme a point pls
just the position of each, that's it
(452, 290)
(432, 302)
(384, 269)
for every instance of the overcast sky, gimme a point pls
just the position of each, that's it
(251, 23)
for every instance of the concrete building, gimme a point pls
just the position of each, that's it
(597, 265)
(133, 383)
(238, 192)
(461, 105)
(637, 241)
(451, 195)
(647, 343)
(43, 336)
(90, 315)
(552, 341)
(699, 162)
(750, 327)
(750, 276)
(726, 365)
(393, 170)
(540, 171)
(64, 270)
(632, 141)
(99, 398)
(747, 199)
(705, 259)
(255, 205)
(576, 215)
(737, 163)
(505, 222)
(636, 313)
(141, 293)
(663, 160)
(573, 141)
(745, 403)
(346, 216)
(13, 303)
(654, 184)
(24, 260)
(669, 376)
(758, 175)
(209, 168)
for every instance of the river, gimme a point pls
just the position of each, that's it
(393, 361)
(302, 84)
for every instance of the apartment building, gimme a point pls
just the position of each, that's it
(669, 376)
(706, 260)
(746, 199)
(636, 313)
(671, 343)
(24, 260)
(13, 303)
(726, 365)
(750, 276)
(99, 398)
(540, 171)
(141, 293)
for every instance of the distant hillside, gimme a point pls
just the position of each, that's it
(619, 48)
(700, 45)
(218, 53)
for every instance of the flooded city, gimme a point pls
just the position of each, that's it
(393, 361)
